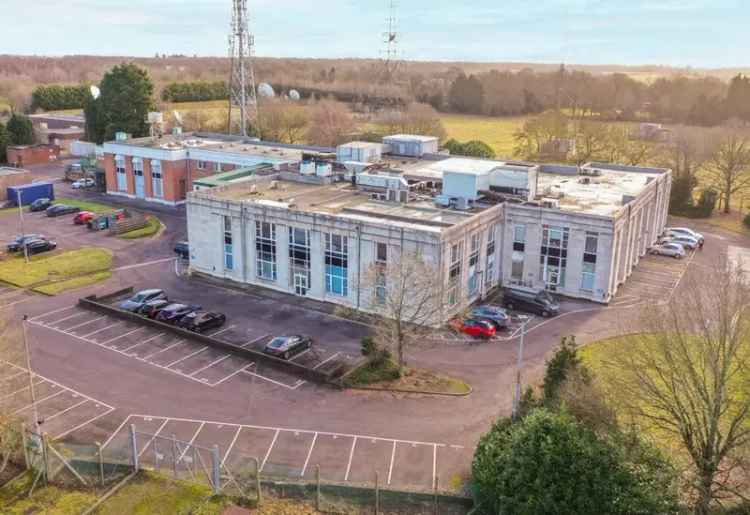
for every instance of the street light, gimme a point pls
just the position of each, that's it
(517, 397)
(30, 374)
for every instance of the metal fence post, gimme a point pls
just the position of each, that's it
(317, 487)
(25, 446)
(257, 478)
(156, 453)
(436, 494)
(215, 469)
(45, 460)
(100, 455)
(377, 493)
(174, 455)
(134, 447)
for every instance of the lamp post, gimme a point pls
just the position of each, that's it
(517, 396)
(30, 374)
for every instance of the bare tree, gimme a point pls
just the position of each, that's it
(331, 122)
(685, 375)
(284, 122)
(729, 167)
(415, 119)
(405, 291)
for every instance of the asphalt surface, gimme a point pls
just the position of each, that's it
(108, 376)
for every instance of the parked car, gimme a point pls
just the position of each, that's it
(684, 231)
(200, 321)
(142, 297)
(39, 246)
(496, 315)
(83, 183)
(478, 328)
(688, 242)
(182, 249)
(539, 302)
(40, 204)
(61, 209)
(287, 346)
(674, 250)
(16, 245)
(173, 313)
(151, 308)
(83, 217)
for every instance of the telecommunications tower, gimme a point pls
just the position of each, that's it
(391, 37)
(241, 76)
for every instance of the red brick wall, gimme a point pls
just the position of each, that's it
(109, 172)
(173, 173)
(32, 155)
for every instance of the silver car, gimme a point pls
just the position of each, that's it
(686, 241)
(684, 231)
(670, 249)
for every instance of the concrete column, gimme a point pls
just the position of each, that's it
(282, 258)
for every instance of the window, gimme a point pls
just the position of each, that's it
(473, 260)
(265, 250)
(156, 179)
(554, 256)
(519, 254)
(588, 273)
(201, 165)
(228, 245)
(217, 167)
(519, 238)
(454, 272)
(299, 259)
(122, 178)
(381, 253)
(381, 261)
(490, 276)
(337, 264)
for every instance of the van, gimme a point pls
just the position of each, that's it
(538, 302)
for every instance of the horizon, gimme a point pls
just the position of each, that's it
(586, 33)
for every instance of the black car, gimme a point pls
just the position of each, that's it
(182, 249)
(40, 204)
(17, 244)
(39, 246)
(173, 313)
(151, 308)
(137, 301)
(539, 302)
(61, 209)
(288, 346)
(200, 321)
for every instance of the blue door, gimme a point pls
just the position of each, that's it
(140, 191)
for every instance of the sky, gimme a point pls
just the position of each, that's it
(698, 33)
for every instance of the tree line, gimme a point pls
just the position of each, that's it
(55, 97)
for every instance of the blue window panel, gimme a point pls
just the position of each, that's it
(229, 261)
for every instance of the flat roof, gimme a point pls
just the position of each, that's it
(411, 137)
(5, 170)
(231, 176)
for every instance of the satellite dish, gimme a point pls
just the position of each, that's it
(178, 117)
(95, 92)
(294, 94)
(265, 90)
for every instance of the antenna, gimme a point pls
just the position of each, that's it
(95, 92)
(241, 76)
(391, 38)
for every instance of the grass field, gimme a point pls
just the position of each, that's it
(496, 132)
(152, 228)
(57, 268)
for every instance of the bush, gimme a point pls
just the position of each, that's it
(57, 97)
(473, 148)
(198, 91)
(368, 345)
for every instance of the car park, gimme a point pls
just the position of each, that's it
(477, 328)
(38, 246)
(61, 209)
(152, 308)
(173, 313)
(201, 321)
(496, 315)
(688, 242)
(685, 231)
(40, 204)
(182, 249)
(17, 244)
(538, 302)
(287, 346)
(83, 217)
(83, 183)
(142, 297)
(670, 249)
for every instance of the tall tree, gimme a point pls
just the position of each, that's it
(729, 167)
(685, 375)
(738, 97)
(285, 122)
(4, 141)
(331, 123)
(20, 130)
(126, 98)
(466, 94)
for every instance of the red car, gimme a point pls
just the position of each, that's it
(477, 328)
(83, 217)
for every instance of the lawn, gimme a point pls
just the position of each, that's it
(497, 132)
(385, 376)
(152, 228)
(90, 263)
(46, 500)
(85, 205)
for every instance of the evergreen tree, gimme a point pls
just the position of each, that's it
(20, 130)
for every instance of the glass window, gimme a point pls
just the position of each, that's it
(554, 256)
(122, 178)
(265, 250)
(519, 238)
(473, 260)
(157, 186)
(217, 167)
(228, 244)
(516, 269)
(454, 273)
(381, 253)
(588, 273)
(337, 264)
(299, 260)
(201, 165)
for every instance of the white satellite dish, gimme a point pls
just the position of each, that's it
(177, 117)
(265, 90)
(95, 92)
(294, 94)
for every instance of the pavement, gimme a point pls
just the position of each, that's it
(94, 377)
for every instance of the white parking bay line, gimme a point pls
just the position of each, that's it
(51, 313)
(309, 453)
(50, 324)
(143, 342)
(84, 323)
(215, 362)
(255, 340)
(191, 442)
(224, 379)
(222, 331)
(329, 358)
(186, 357)
(47, 419)
(175, 344)
(83, 424)
(270, 448)
(102, 329)
(123, 335)
(351, 455)
(393, 457)
(231, 445)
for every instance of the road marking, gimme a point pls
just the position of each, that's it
(47, 419)
(191, 442)
(255, 340)
(278, 383)
(79, 325)
(175, 344)
(123, 335)
(300, 354)
(50, 313)
(111, 437)
(66, 318)
(434, 467)
(8, 378)
(309, 453)
(232, 374)
(79, 426)
(211, 364)
(4, 306)
(19, 391)
(326, 361)
(86, 336)
(351, 455)
(222, 331)
(393, 457)
(153, 437)
(268, 453)
(141, 343)
(38, 402)
(186, 357)
(147, 263)
(231, 445)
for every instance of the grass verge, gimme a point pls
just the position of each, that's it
(151, 228)
(58, 268)
(58, 287)
(386, 375)
(85, 205)
(14, 499)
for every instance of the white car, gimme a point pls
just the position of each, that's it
(684, 231)
(83, 183)
(674, 250)
(688, 242)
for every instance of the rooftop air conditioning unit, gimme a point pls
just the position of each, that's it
(462, 204)
(253, 189)
(551, 203)
(274, 185)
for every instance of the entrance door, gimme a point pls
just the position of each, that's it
(140, 190)
(300, 284)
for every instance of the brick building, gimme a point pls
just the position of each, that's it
(27, 155)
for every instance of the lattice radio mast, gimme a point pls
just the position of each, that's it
(241, 76)
(391, 37)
